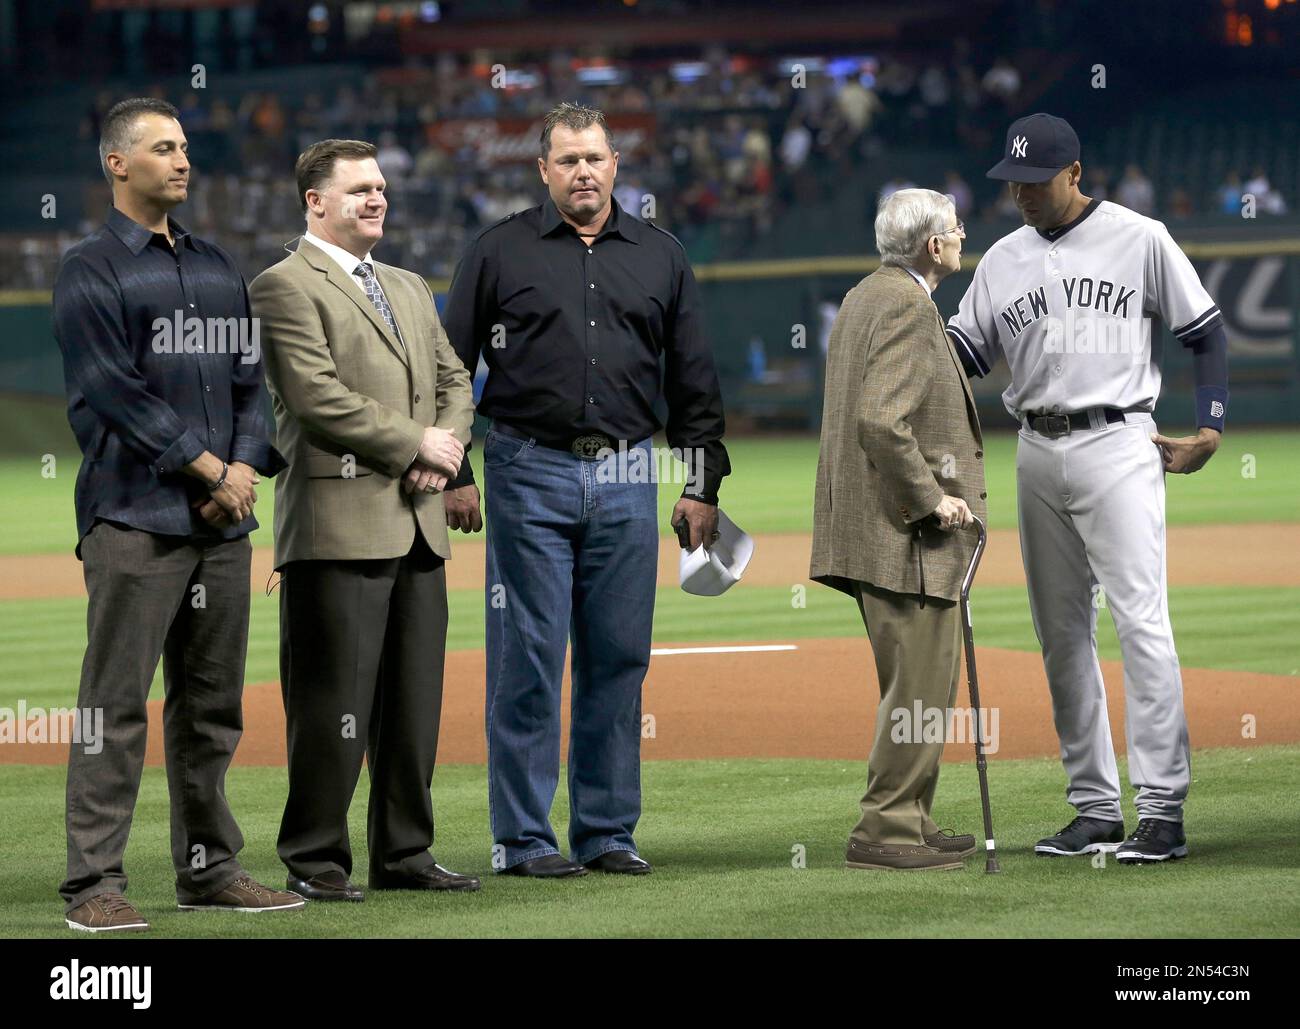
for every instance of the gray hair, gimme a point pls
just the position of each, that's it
(120, 130)
(906, 220)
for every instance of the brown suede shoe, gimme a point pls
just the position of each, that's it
(899, 857)
(246, 894)
(106, 913)
(957, 844)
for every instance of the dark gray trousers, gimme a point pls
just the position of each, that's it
(145, 604)
(361, 655)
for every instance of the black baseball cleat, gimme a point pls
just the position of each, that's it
(1082, 836)
(1155, 839)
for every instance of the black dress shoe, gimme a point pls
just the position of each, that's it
(326, 886)
(551, 866)
(620, 862)
(434, 877)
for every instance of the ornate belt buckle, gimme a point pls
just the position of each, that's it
(1054, 426)
(590, 446)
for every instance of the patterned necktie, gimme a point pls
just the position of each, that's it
(376, 296)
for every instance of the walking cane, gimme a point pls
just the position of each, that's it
(972, 680)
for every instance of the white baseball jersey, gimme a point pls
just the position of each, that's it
(1072, 311)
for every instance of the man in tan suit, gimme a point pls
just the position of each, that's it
(373, 410)
(901, 470)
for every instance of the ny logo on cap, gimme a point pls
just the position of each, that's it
(1019, 146)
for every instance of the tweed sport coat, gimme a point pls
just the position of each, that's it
(899, 430)
(351, 404)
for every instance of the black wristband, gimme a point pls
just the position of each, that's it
(1210, 373)
(1211, 407)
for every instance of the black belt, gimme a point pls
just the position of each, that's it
(1055, 425)
(589, 446)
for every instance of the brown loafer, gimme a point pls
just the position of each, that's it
(899, 857)
(248, 895)
(959, 844)
(433, 877)
(106, 913)
(330, 885)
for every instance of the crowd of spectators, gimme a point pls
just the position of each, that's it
(737, 142)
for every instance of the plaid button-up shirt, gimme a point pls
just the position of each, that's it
(144, 399)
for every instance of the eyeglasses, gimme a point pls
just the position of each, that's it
(959, 228)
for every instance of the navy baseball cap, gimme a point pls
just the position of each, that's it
(1038, 147)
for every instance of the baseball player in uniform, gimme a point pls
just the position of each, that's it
(1070, 300)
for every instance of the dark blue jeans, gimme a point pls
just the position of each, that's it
(569, 555)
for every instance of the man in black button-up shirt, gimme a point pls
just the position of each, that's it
(585, 324)
(574, 305)
(165, 396)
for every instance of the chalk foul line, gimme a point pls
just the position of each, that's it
(672, 651)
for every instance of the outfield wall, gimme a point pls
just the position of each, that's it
(783, 310)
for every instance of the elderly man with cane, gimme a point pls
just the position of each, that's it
(900, 472)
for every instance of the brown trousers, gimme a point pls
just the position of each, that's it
(918, 657)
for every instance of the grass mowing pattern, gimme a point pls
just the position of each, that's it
(770, 489)
(1252, 629)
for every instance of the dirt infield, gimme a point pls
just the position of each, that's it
(782, 560)
(816, 700)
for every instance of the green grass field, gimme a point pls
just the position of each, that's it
(724, 833)
(724, 836)
(1244, 629)
(1255, 477)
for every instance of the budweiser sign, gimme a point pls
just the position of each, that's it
(508, 140)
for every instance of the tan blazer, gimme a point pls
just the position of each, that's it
(899, 430)
(351, 404)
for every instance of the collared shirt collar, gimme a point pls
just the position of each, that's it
(345, 260)
(618, 223)
(916, 275)
(135, 236)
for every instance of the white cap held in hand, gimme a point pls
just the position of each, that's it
(711, 572)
